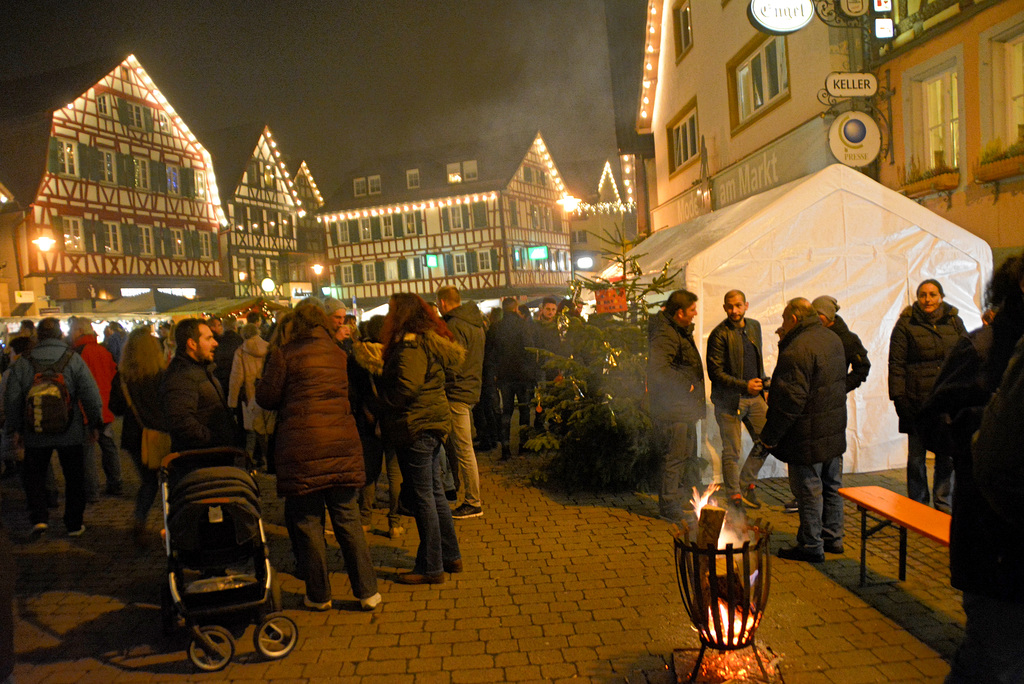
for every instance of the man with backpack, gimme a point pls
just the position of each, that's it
(47, 392)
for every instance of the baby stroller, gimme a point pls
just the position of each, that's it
(217, 560)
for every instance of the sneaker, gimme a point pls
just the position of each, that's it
(77, 533)
(736, 501)
(39, 529)
(791, 507)
(750, 498)
(396, 531)
(313, 605)
(834, 547)
(370, 603)
(466, 511)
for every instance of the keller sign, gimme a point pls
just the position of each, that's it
(780, 17)
(839, 84)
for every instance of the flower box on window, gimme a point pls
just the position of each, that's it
(928, 186)
(999, 169)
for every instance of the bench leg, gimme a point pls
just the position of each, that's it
(863, 546)
(903, 554)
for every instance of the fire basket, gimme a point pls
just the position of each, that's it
(725, 590)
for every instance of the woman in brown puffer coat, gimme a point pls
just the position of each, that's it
(318, 455)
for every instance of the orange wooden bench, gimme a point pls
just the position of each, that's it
(894, 509)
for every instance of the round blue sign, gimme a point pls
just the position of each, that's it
(855, 131)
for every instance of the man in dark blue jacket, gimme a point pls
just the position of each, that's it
(806, 428)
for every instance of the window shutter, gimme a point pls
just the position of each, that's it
(418, 268)
(419, 223)
(123, 112)
(57, 223)
(494, 260)
(124, 169)
(479, 214)
(378, 269)
(375, 228)
(53, 164)
(89, 228)
(396, 224)
(190, 246)
(465, 217)
(130, 238)
(337, 276)
(215, 245)
(357, 274)
(167, 240)
(445, 224)
(449, 264)
(157, 176)
(403, 269)
(130, 180)
(188, 182)
(99, 237)
(87, 163)
(353, 231)
(147, 119)
(471, 262)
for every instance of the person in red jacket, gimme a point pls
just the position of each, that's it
(103, 368)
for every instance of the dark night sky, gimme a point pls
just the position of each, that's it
(341, 81)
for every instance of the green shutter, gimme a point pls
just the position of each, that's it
(357, 274)
(165, 239)
(337, 276)
(418, 268)
(188, 182)
(403, 269)
(513, 213)
(89, 228)
(446, 226)
(123, 112)
(396, 224)
(471, 262)
(190, 248)
(57, 223)
(86, 167)
(375, 228)
(99, 237)
(353, 231)
(449, 264)
(215, 245)
(53, 163)
(147, 119)
(123, 162)
(494, 260)
(419, 223)
(479, 214)
(130, 238)
(378, 269)
(158, 176)
(465, 217)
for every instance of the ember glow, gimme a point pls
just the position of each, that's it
(741, 630)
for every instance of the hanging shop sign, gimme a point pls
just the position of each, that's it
(780, 17)
(854, 139)
(854, 8)
(843, 84)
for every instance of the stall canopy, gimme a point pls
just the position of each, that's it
(835, 232)
(226, 307)
(147, 303)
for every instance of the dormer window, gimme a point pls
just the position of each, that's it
(374, 183)
(359, 187)
(469, 170)
(412, 179)
(455, 173)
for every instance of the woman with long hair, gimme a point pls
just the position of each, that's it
(142, 367)
(418, 347)
(923, 337)
(317, 454)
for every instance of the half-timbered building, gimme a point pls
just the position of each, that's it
(310, 265)
(264, 208)
(110, 190)
(484, 218)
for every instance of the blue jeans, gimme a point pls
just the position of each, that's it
(514, 395)
(991, 649)
(917, 475)
(304, 517)
(816, 488)
(752, 413)
(421, 477)
(681, 470)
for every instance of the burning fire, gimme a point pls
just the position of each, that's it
(741, 628)
(699, 500)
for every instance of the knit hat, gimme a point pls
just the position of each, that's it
(331, 304)
(826, 306)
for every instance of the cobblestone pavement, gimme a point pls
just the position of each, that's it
(557, 587)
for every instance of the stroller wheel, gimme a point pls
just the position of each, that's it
(218, 654)
(276, 636)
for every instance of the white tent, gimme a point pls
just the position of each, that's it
(835, 232)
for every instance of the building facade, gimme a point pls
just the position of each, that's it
(110, 190)
(485, 219)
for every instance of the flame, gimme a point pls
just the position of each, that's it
(741, 628)
(699, 500)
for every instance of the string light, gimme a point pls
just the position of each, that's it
(650, 73)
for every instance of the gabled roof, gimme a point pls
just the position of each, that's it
(303, 170)
(497, 160)
(26, 118)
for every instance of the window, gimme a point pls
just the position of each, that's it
(681, 26)
(103, 105)
(455, 173)
(469, 170)
(346, 274)
(359, 187)
(268, 176)
(108, 166)
(1014, 71)
(941, 120)
(163, 124)
(374, 182)
(174, 180)
(513, 212)
(460, 264)
(177, 242)
(365, 234)
(146, 240)
(206, 245)
(760, 78)
(74, 237)
(391, 270)
(67, 157)
(389, 226)
(534, 217)
(483, 261)
(682, 140)
(410, 224)
(456, 217)
(135, 119)
(369, 273)
(528, 174)
(201, 184)
(412, 179)
(141, 173)
(113, 231)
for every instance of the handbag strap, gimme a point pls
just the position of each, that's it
(128, 400)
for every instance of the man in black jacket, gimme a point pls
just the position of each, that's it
(857, 363)
(515, 369)
(675, 387)
(736, 369)
(462, 387)
(196, 411)
(806, 428)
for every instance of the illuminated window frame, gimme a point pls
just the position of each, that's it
(388, 226)
(682, 28)
(108, 166)
(74, 235)
(454, 171)
(178, 243)
(113, 232)
(67, 158)
(346, 274)
(359, 186)
(459, 262)
(369, 273)
(469, 170)
(141, 173)
(200, 184)
(173, 180)
(933, 97)
(206, 245)
(683, 138)
(104, 106)
(743, 72)
(146, 241)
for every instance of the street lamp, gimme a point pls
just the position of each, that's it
(45, 243)
(317, 270)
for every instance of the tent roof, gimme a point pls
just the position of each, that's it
(225, 307)
(150, 302)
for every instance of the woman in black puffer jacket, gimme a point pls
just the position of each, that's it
(923, 337)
